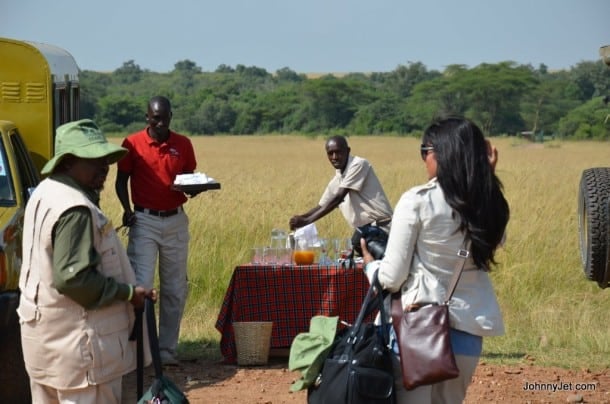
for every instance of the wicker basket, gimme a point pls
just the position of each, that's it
(252, 340)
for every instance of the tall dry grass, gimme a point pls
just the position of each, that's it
(553, 315)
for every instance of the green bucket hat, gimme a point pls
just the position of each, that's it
(82, 139)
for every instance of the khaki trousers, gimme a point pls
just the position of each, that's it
(164, 240)
(107, 393)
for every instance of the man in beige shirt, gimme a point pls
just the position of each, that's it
(355, 190)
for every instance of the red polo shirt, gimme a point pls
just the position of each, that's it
(153, 166)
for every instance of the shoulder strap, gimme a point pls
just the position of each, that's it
(137, 334)
(462, 253)
(373, 301)
(151, 323)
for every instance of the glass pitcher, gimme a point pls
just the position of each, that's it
(304, 253)
(279, 238)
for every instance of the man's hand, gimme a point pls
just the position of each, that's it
(297, 221)
(139, 294)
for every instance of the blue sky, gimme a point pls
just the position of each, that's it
(313, 35)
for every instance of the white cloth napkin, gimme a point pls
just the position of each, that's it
(309, 233)
(194, 178)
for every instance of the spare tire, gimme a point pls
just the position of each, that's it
(594, 224)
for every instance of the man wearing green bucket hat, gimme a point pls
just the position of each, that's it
(76, 281)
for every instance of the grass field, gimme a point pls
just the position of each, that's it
(553, 315)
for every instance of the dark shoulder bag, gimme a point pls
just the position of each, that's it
(422, 330)
(358, 369)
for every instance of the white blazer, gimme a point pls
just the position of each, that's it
(421, 256)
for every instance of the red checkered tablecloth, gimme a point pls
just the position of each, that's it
(288, 296)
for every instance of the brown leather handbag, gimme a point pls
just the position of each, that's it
(422, 331)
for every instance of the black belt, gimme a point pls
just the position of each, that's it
(159, 213)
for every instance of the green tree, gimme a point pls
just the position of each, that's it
(502, 98)
(213, 116)
(184, 74)
(275, 109)
(119, 111)
(493, 94)
(380, 116)
(592, 79)
(224, 69)
(433, 98)
(588, 121)
(403, 78)
(330, 103)
(129, 73)
(286, 74)
(547, 101)
(248, 118)
(252, 71)
(93, 86)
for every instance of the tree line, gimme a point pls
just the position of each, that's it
(504, 99)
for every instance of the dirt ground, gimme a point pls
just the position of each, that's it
(216, 383)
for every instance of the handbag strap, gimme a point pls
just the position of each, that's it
(139, 335)
(373, 300)
(366, 305)
(463, 254)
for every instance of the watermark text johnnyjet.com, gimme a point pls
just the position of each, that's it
(559, 386)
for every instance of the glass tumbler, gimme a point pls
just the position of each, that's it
(326, 256)
(270, 255)
(257, 256)
(284, 256)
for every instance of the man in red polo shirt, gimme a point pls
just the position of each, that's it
(158, 226)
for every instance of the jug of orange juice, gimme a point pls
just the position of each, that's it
(303, 253)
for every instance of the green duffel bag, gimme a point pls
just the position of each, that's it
(163, 391)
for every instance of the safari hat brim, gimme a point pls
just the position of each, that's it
(82, 139)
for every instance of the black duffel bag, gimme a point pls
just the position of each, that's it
(358, 369)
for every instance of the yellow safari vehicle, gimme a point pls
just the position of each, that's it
(39, 90)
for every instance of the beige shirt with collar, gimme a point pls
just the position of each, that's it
(366, 202)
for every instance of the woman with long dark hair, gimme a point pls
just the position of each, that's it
(462, 204)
